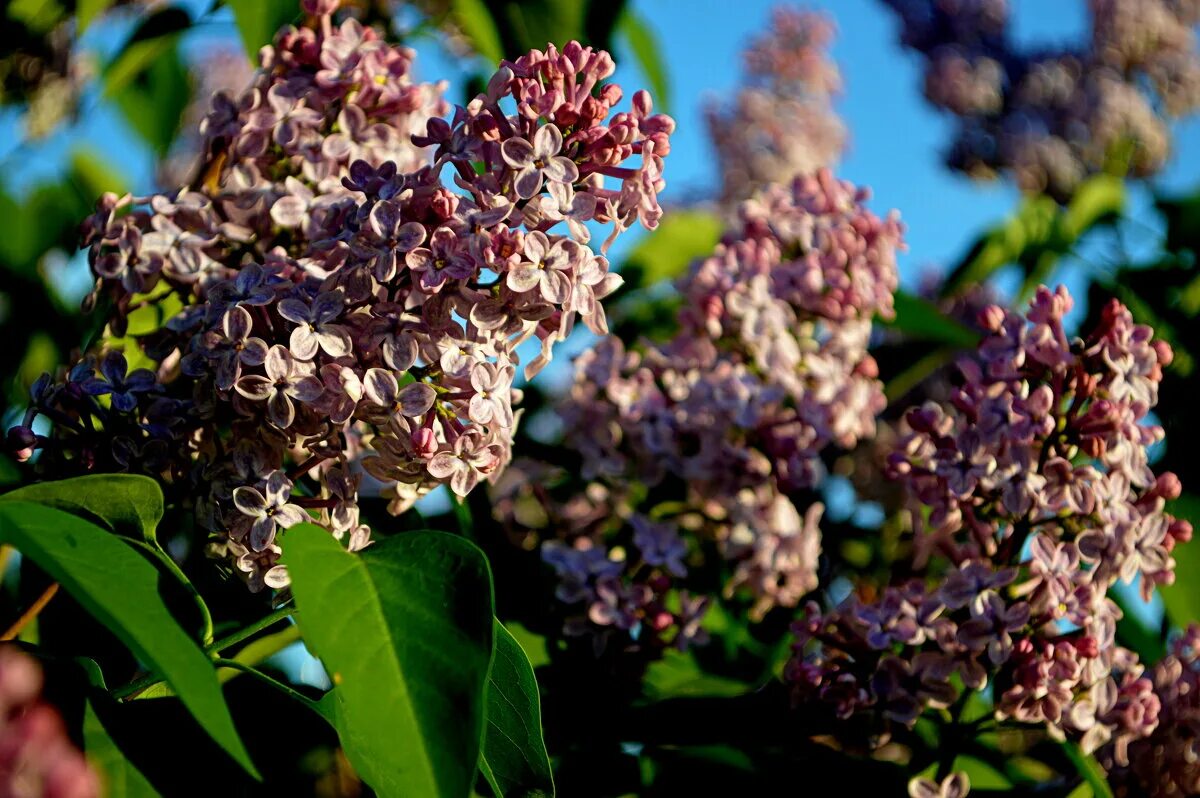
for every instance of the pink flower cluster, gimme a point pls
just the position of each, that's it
(1054, 116)
(781, 124)
(729, 419)
(1030, 497)
(355, 273)
(37, 758)
(1167, 763)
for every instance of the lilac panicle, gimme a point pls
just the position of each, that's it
(357, 263)
(1030, 492)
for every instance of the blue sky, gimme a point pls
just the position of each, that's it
(896, 138)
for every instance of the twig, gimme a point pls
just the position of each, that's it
(31, 613)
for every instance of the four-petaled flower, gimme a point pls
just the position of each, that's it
(382, 388)
(269, 509)
(286, 380)
(546, 268)
(473, 457)
(314, 325)
(121, 386)
(541, 158)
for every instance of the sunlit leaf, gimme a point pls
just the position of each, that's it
(126, 504)
(644, 45)
(405, 632)
(258, 20)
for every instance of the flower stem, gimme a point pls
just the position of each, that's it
(152, 679)
(247, 631)
(278, 685)
(206, 622)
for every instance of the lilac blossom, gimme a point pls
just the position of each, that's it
(358, 263)
(1052, 116)
(1031, 487)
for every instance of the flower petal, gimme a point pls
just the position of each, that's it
(380, 387)
(306, 389)
(303, 342)
(249, 501)
(517, 152)
(523, 278)
(280, 411)
(254, 386)
(443, 464)
(416, 399)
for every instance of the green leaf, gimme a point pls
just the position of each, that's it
(1089, 769)
(476, 22)
(125, 504)
(120, 589)
(1003, 244)
(534, 645)
(514, 759)
(647, 50)
(1182, 598)
(666, 253)
(93, 176)
(154, 100)
(678, 675)
(1098, 198)
(405, 632)
(153, 38)
(120, 777)
(921, 319)
(258, 20)
(88, 10)
(982, 775)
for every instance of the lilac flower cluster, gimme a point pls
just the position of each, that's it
(37, 757)
(354, 274)
(1167, 763)
(619, 572)
(1031, 496)
(1054, 116)
(781, 124)
(726, 423)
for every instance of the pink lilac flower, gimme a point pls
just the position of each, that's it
(1016, 548)
(1053, 116)
(1166, 763)
(37, 756)
(780, 125)
(358, 263)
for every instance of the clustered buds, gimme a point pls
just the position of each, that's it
(1054, 116)
(1167, 763)
(725, 424)
(36, 755)
(781, 124)
(347, 281)
(1031, 496)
